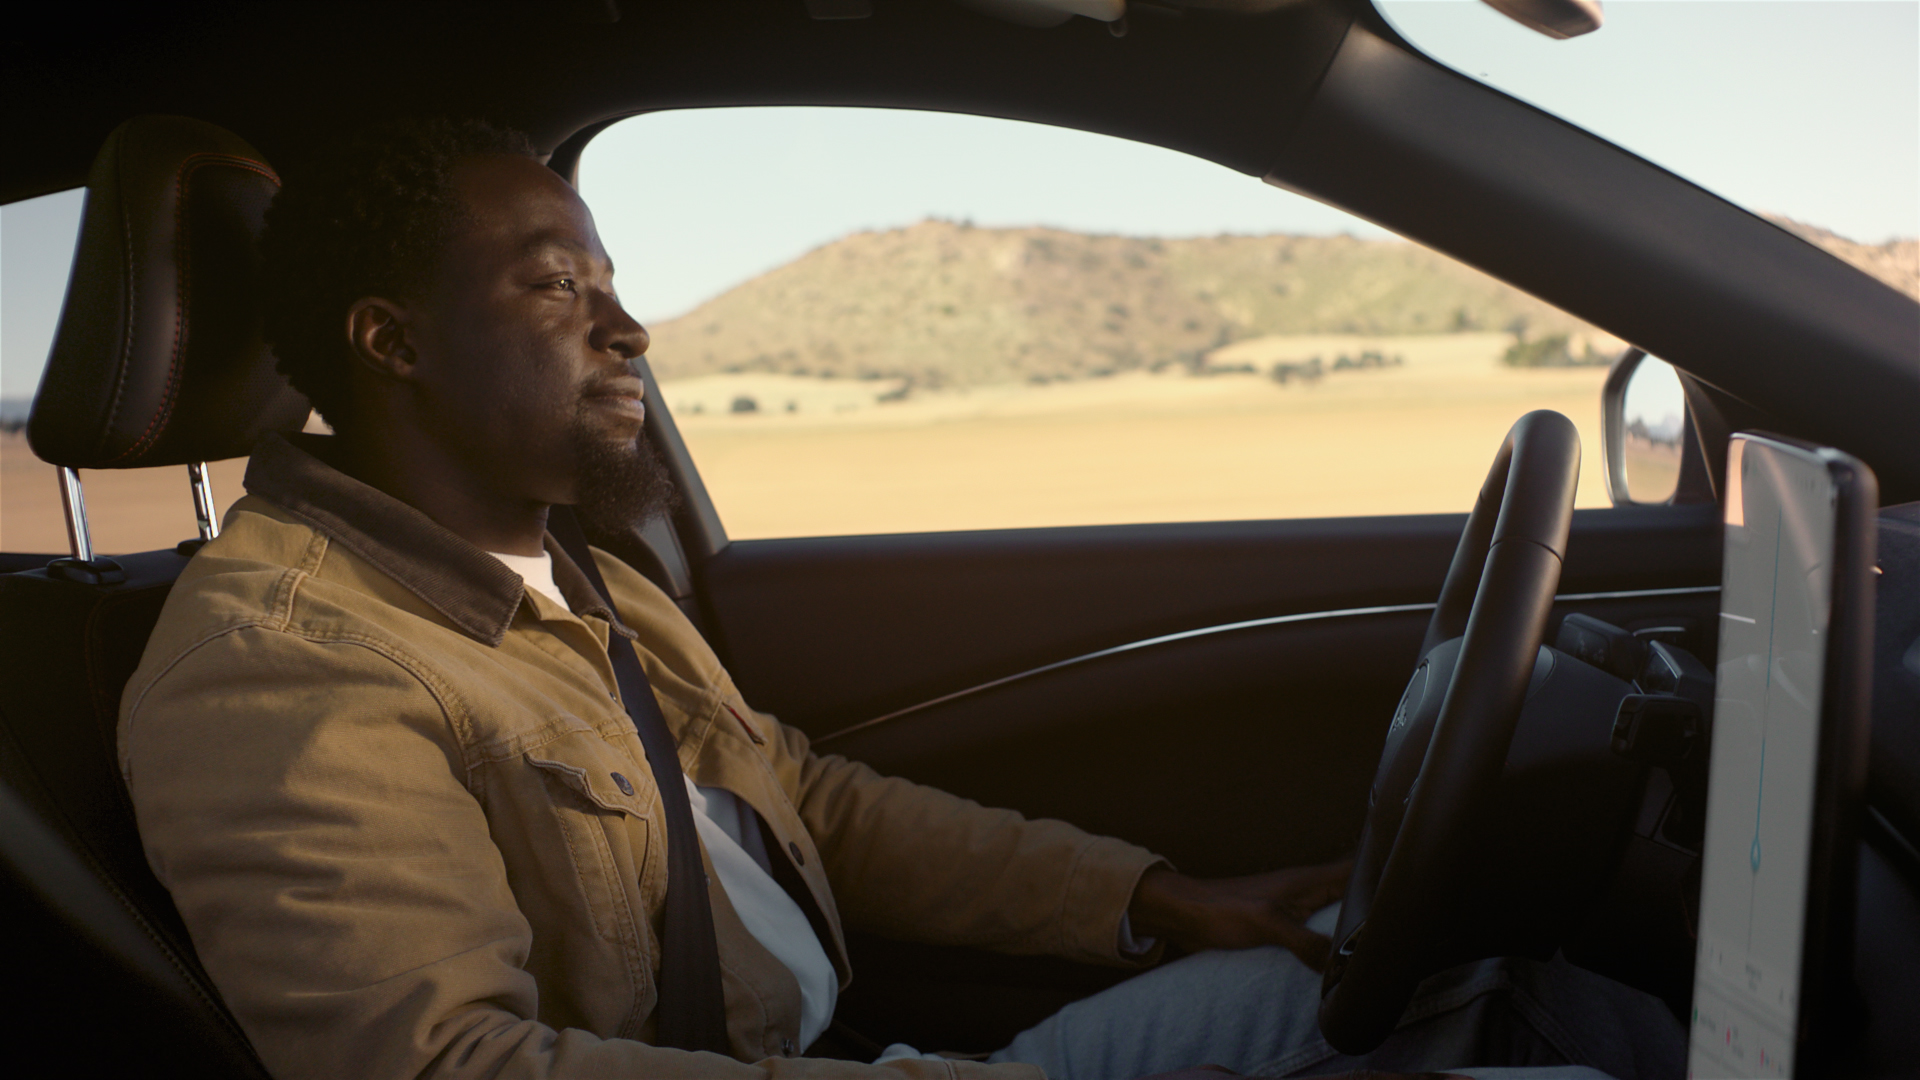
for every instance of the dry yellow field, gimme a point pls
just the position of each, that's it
(1134, 448)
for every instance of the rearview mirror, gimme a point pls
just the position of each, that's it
(1560, 19)
(1645, 415)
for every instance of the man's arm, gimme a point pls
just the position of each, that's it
(306, 805)
(913, 862)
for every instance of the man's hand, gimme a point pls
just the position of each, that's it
(1239, 913)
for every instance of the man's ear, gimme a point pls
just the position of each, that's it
(377, 333)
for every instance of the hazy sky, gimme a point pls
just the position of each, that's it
(1806, 107)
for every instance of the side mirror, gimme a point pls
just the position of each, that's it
(1644, 413)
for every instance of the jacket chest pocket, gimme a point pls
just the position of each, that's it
(601, 803)
(597, 773)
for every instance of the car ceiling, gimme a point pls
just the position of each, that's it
(283, 75)
(1317, 95)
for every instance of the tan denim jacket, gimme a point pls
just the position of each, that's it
(378, 776)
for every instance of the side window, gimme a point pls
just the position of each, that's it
(872, 321)
(129, 510)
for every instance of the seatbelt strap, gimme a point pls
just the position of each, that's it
(691, 1013)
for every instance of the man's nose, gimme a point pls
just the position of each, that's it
(617, 332)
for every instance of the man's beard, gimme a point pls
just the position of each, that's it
(621, 485)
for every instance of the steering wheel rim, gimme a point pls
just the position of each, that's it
(1404, 893)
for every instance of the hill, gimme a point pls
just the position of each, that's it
(943, 303)
(1896, 262)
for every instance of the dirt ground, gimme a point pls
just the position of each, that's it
(1413, 438)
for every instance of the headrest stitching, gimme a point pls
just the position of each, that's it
(130, 315)
(182, 250)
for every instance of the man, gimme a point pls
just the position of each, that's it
(384, 754)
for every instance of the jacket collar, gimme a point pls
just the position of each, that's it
(474, 590)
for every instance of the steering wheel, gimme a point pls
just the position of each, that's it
(1410, 887)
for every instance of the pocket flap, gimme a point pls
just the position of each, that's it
(597, 772)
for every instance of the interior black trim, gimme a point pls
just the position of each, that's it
(15, 561)
(1228, 628)
(1132, 646)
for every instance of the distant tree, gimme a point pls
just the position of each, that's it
(1306, 371)
(1549, 351)
(744, 404)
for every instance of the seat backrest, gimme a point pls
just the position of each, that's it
(158, 360)
(93, 943)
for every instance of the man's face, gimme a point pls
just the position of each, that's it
(522, 352)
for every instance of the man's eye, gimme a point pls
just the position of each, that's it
(564, 283)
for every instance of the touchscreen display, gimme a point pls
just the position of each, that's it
(1760, 790)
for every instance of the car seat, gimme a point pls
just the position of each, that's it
(158, 360)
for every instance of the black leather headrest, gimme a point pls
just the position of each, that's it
(158, 359)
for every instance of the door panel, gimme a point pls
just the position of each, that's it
(1228, 751)
(830, 632)
(1228, 754)
(1217, 693)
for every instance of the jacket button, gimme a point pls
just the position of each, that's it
(621, 782)
(786, 1047)
(794, 850)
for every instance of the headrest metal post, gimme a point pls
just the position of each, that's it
(79, 539)
(203, 510)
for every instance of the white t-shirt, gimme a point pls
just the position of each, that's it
(536, 571)
(730, 831)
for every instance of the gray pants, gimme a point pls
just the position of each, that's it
(1254, 1011)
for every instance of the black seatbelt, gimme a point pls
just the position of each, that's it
(691, 1013)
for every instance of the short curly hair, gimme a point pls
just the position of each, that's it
(369, 217)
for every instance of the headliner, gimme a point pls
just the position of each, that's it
(281, 75)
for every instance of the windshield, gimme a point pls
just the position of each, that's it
(1801, 109)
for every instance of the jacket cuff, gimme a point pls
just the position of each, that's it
(1099, 889)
